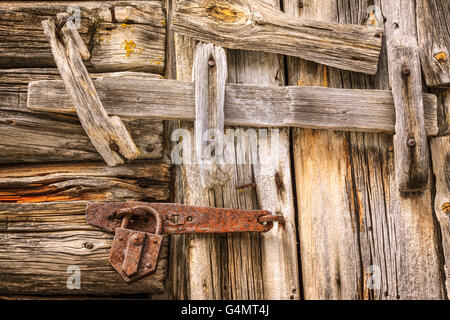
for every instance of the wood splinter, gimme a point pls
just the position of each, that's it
(210, 76)
(108, 134)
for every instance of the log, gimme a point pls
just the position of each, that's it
(410, 141)
(108, 134)
(87, 181)
(440, 153)
(234, 266)
(265, 106)
(40, 241)
(135, 42)
(360, 237)
(434, 40)
(210, 75)
(256, 25)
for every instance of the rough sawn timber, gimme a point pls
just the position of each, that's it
(255, 25)
(137, 97)
(135, 42)
(440, 153)
(405, 75)
(242, 266)
(354, 225)
(43, 227)
(433, 30)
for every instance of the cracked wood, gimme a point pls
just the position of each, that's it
(256, 25)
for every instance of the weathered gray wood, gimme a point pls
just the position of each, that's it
(440, 153)
(135, 42)
(210, 75)
(41, 240)
(108, 134)
(255, 25)
(230, 267)
(411, 147)
(354, 224)
(311, 107)
(433, 31)
(149, 181)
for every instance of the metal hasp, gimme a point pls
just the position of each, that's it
(139, 229)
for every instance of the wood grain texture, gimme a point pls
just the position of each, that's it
(229, 266)
(108, 134)
(355, 226)
(210, 75)
(135, 42)
(440, 153)
(41, 240)
(410, 142)
(433, 31)
(265, 106)
(256, 25)
(87, 181)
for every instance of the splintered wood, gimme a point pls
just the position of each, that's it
(108, 134)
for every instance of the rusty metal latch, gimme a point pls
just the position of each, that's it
(139, 229)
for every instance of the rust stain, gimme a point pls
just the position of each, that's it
(441, 57)
(224, 13)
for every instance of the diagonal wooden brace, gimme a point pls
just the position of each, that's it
(210, 75)
(108, 134)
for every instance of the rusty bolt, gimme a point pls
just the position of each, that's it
(112, 8)
(114, 147)
(148, 265)
(155, 241)
(211, 62)
(120, 237)
(411, 142)
(137, 241)
(88, 245)
(149, 148)
(405, 71)
(300, 4)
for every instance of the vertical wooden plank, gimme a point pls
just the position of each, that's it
(440, 153)
(410, 140)
(242, 266)
(359, 237)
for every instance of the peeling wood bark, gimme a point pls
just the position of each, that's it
(433, 30)
(410, 142)
(135, 42)
(440, 152)
(310, 107)
(39, 242)
(210, 75)
(147, 181)
(354, 224)
(108, 134)
(256, 25)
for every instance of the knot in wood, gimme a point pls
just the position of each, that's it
(405, 71)
(114, 147)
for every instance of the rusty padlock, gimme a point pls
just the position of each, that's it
(134, 254)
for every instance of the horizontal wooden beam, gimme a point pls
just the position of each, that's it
(40, 241)
(253, 25)
(135, 42)
(245, 105)
(89, 181)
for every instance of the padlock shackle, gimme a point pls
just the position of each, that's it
(128, 212)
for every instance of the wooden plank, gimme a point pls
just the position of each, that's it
(135, 42)
(108, 134)
(433, 31)
(440, 153)
(355, 226)
(310, 107)
(256, 25)
(410, 141)
(41, 240)
(210, 74)
(149, 180)
(229, 267)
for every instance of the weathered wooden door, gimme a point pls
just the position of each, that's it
(349, 232)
